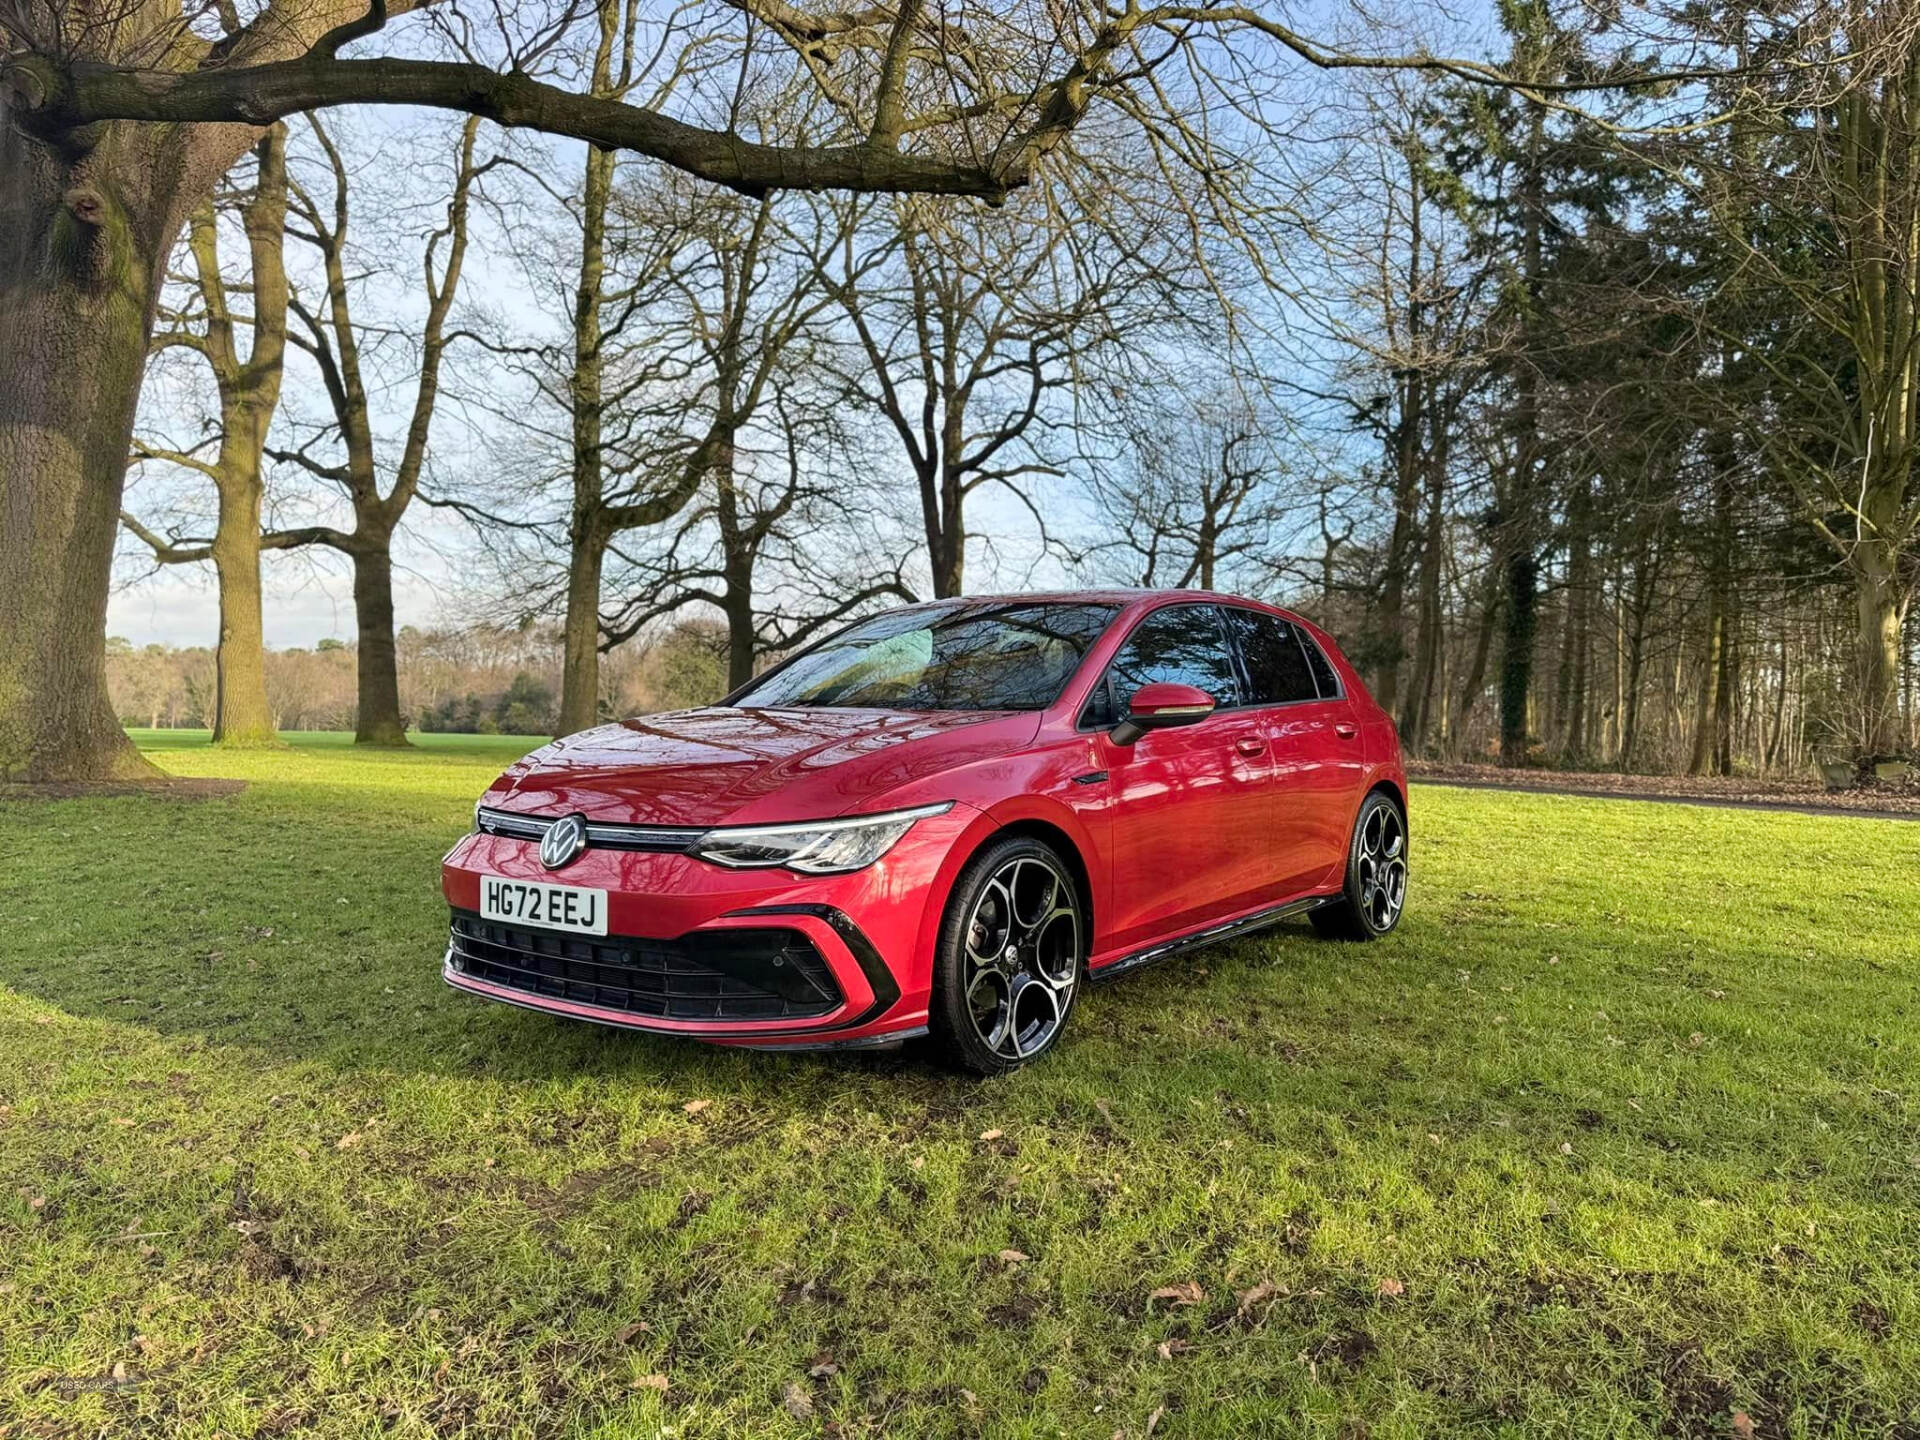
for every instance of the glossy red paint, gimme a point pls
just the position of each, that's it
(1187, 828)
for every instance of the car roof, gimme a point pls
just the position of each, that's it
(1111, 595)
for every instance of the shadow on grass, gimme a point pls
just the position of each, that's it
(304, 922)
(272, 923)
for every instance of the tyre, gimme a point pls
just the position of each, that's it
(1376, 890)
(1011, 956)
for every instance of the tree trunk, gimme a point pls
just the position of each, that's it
(742, 632)
(1520, 615)
(1415, 717)
(580, 658)
(1482, 649)
(242, 716)
(1877, 596)
(580, 669)
(78, 277)
(378, 716)
(1699, 760)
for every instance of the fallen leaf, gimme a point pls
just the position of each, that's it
(823, 1367)
(798, 1402)
(987, 1137)
(1390, 1287)
(1013, 1257)
(1742, 1425)
(1167, 1349)
(38, 1202)
(122, 1121)
(1716, 994)
(119, 1371)
(1106, 1113)
(694, 1107)
(1153, 1420)
(1265, 1290)
(650, 1382)
(347, 1141)
(1566, 1147)
(1186, 1292)
(919, 1162)
(625, 1334)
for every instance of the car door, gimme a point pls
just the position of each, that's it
(1189, 806)
(1314, 742)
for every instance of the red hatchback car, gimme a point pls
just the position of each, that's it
(947, 817)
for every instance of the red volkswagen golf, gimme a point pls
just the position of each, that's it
(949, 818)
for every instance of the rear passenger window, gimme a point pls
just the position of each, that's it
(1323, 675)
(1181, 645)
(1277, 672)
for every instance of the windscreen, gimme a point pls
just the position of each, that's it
(1009, 656)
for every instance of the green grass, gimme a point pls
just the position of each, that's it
(1620, 1135)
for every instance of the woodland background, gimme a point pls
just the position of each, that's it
(1581, 415)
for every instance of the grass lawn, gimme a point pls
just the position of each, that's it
(1619, 1135)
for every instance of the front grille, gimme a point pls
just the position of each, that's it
(757, 974)
(665, 839)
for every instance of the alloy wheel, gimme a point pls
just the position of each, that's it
(1383, 867)
(1022, 950)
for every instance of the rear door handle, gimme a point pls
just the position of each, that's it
(1250, 745)
(1344, 730)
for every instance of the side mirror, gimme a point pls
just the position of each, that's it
(1161, 706)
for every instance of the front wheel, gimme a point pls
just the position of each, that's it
(1376, 889)
(1012, 947)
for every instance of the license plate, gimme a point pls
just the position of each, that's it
(554, 907)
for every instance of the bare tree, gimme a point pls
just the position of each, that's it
(333, 339)
(248, 387)
(117, 120)
(1205, 492)
(747, 425)
(977, 334)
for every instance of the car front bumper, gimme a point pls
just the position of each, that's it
(872, 929)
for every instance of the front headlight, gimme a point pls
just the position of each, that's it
(815, 847)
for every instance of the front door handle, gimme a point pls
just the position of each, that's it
(1345, 730)
(1250, 745)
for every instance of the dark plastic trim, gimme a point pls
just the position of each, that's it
(1245, 925)
(886, 990)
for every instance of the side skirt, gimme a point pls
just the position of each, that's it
(1233, 929)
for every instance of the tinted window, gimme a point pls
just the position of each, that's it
(1276, 666)
(951, 657)
(1322, 668)
(1181, 644)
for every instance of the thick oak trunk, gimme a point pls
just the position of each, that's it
(79, 268)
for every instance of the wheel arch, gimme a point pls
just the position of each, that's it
(1393, 789)
(1059, 840)
(1033, 818)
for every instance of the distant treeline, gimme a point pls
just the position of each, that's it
(478, 680)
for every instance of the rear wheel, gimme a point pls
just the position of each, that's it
(1012, 947)
(1376, 889)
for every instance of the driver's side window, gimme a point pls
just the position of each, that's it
(1178, 644)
